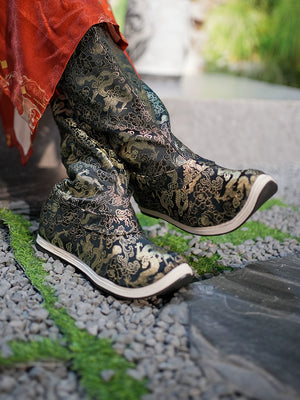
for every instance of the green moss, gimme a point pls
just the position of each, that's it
(273, 202)
(145, 220)
(88, 354)
(250, 230)
(207, 265)
(91, 356)
(44, 349)
(202, 265)
(174, 243)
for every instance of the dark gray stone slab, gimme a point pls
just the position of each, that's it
(245, 329)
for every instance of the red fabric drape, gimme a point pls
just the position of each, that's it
(37, 38)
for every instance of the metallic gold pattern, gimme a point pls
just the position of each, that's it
(200, 198)
(104, 92)
(89, 215)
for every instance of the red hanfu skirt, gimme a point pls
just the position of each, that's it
(37, 39)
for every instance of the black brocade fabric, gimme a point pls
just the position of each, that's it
(106, 95)
(89, 215)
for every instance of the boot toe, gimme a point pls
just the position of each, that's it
(214, 202)
(130, 268)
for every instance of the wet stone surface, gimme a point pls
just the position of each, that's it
(248, 327)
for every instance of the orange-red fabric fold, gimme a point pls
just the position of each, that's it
(37, 39)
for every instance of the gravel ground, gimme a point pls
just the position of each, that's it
(48, 380)
(153, 334)
(22, 315)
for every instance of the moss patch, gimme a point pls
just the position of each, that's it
(250, 230)
(273, 202)
(88, 354)
(181, 243)
(44, 349)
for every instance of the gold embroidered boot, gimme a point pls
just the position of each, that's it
(88, 220)
(168, 179)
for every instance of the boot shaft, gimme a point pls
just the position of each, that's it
(96, 193)
(106, 94)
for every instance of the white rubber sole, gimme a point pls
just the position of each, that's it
(263, 188)
(179, 276)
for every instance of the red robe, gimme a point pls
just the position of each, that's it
(37, 39)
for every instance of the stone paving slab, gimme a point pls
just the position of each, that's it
(245, 328)
(239, 133)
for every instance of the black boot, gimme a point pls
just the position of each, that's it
(88, 220)
(168, 179)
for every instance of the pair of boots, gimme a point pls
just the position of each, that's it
(116, 139)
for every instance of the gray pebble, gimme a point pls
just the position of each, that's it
(92, 328)
(7, 383)
(4, 286)
(135, 374)
(6, 350)
(130, 355)
(105, 308)
(107, 374)
(58, 267)
(39, 314)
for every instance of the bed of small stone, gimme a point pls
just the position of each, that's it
(153, 334)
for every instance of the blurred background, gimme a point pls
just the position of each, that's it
(228, 72)
(252, 38)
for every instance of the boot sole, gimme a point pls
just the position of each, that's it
(263, 188)
(178, 277)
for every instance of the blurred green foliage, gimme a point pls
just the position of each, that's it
(119, 8)
(255, 38)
